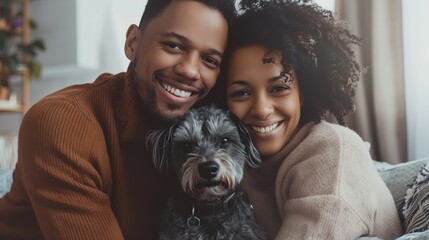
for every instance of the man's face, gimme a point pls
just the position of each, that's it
(177, 56)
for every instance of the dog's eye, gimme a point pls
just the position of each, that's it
(187, 146)
(224, 141)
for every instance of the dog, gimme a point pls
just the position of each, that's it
(206, 151)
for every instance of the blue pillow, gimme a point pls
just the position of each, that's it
(415, 210)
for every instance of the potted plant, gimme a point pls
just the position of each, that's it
(15, 55)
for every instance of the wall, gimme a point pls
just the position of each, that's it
(83, 39)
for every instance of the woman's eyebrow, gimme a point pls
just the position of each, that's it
(276, 78)
(239, 82)
(270, 80)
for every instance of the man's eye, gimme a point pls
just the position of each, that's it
(172, 46)
(211, 61)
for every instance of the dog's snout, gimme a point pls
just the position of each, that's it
(208, 170)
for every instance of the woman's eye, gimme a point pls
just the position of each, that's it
(211, 61)
(278, 89)
(240, 93)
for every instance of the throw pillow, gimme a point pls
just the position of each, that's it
(415, 210)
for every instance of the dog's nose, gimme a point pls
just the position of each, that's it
(208, 170)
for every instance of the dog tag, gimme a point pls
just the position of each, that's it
(193, 221)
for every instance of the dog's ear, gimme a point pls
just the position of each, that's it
(159, 142)
(253, 157)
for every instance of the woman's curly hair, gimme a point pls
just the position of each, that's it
(312, 42)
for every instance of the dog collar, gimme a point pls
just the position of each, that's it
(202, 209)
(215, 207)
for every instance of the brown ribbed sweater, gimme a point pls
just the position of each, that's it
(83, 170)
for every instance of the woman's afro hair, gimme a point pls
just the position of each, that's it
(312, 42)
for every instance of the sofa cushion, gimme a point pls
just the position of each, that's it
(8, 149)
(400, 177)
(415, 210)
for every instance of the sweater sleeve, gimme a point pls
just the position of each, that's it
(61, 155)
(320, 217)
(320, 188)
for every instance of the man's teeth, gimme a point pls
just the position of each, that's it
(176, 92)
(265, 129)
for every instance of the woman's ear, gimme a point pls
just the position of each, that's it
(132, 42)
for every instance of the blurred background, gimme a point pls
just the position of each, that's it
(85, 38)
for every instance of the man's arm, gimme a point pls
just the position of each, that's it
(64, 161)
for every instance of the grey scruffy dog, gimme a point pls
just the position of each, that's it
(206, 151)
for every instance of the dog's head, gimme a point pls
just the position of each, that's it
(207, 149)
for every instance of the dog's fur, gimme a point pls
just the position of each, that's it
(206, 150)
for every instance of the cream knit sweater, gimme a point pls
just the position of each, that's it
(322, 185)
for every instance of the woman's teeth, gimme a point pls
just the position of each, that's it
(176, 92)
(265, 129)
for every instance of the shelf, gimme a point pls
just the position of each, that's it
(13, 24)
(6, 106)
(14, 32)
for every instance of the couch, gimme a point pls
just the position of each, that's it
(399, 179)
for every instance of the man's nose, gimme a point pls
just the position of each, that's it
(188, 67)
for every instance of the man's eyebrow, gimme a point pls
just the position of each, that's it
(187, 41)
(178, 36)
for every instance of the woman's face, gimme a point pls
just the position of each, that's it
(264, 97)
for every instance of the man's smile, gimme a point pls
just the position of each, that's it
(175, 91)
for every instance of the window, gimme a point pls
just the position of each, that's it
(416, 61)
(327, 4)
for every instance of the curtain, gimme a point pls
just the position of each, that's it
(380, 117)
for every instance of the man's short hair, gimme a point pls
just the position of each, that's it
(155, 7)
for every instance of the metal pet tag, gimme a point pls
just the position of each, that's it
(193, 221)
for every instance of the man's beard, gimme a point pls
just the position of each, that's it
(149, 103)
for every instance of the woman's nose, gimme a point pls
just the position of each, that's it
(188, 67)
(262, 107)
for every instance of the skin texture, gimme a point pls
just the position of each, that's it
(182, 48)
(265, 98)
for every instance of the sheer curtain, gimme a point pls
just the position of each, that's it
(380, 117)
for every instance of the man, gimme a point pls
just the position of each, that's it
(83, 170)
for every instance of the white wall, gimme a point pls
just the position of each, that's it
(416, 53)
(83, 39)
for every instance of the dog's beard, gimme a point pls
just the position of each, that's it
(206, 190)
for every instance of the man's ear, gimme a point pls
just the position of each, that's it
(132, 42)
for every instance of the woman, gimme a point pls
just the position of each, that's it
(289, 64)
